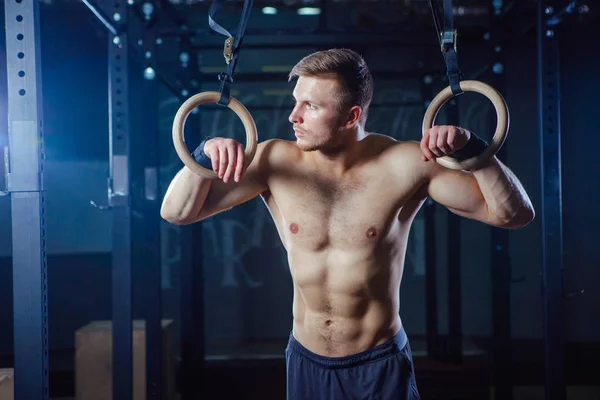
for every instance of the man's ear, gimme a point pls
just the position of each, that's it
(353, 117)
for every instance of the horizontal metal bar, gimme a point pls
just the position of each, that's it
(283, 76)
(319, 44)
(315, 37)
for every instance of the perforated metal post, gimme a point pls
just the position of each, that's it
(114, 15)
(120, 201)
(145, 173)
(499, 244)
(134, 163)
(25, 185)
(551, 205)
(192, 266)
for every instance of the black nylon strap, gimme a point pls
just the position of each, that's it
(447, 38)
(453, 72)
(226, 77)
(448, 16)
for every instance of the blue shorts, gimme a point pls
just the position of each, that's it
(384, 372)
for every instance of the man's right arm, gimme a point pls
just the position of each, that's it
(191, 198)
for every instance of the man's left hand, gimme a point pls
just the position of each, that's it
(443, 140)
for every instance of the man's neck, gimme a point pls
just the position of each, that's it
(344, 156)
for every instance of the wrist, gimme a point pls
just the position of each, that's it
(200, 156)
(474, 147)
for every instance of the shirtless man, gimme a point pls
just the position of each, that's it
(343, 200)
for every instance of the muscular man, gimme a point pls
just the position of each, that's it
(343, 200)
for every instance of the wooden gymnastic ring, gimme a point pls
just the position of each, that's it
(502, 116)
(179, 125)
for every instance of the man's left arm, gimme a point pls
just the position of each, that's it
(491, 193)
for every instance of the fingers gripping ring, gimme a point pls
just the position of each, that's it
(179, 124)
(502, 116)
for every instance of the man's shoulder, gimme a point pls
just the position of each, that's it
(388, 145)
(276, 147)
(402, 157)
(272, 152)
(275, 143)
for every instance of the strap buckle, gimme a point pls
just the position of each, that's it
(225, 77)
(448, 40)
(228, 49)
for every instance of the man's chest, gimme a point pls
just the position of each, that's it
(316, 212)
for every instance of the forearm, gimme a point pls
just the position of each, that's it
(185, 197)
(506, 199)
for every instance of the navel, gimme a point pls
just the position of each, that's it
(294, 228)
(371, 233)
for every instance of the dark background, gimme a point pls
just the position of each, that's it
(247, 284)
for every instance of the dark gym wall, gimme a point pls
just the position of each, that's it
(581, 186)
(248, 288)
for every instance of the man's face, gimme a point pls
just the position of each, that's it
(316, 116)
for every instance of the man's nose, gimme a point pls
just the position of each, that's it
(295, 117)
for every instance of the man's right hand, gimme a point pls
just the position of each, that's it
(227, 157)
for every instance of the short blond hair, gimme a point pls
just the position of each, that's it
(348, 68)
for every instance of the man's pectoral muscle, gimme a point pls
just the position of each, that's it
(346, 242)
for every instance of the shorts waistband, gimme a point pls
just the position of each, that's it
(392, 346)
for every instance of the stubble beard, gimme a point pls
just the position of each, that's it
(309, 147)
(323, 144)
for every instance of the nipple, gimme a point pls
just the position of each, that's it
(371, 233)
(294, 228)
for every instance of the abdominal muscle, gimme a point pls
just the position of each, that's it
(345, 302)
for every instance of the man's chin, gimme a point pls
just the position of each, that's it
(308, 149)
(302, 145)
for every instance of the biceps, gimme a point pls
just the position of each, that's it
(223, 196)
(459, 192)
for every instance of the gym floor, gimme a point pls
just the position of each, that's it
(257, 371)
